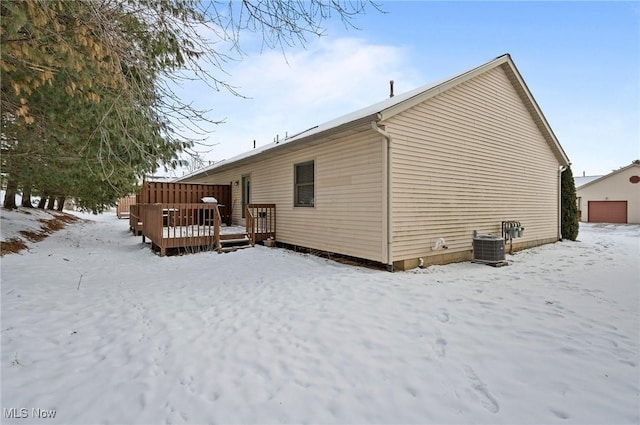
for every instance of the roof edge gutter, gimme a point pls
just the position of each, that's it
(387, 169)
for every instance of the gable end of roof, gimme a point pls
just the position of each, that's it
(518, 83)
(606, 176)
(535, 111)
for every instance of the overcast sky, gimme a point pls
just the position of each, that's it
(581, 61)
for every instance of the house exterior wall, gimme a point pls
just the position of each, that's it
(348, 216)
(466, 160)
(615, 187)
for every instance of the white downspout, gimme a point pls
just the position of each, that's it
(387, 136)
(560, 170)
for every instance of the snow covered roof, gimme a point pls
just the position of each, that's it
(582, 180)
(162, 179)
(394, 105)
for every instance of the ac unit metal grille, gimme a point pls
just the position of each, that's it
(488, 249)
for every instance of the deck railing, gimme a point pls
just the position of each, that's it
(152, 223)
(216, 229)
(260, 222)
(250, 226)
(186, 226)
(135, 219)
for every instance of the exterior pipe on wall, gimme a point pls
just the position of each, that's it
(387, 136)
(560, 171)
(441, 243)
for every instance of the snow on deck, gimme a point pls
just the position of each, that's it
(199, 230)
(272, 336)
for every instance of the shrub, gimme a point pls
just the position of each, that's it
(569, 220)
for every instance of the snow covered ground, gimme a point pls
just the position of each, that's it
(100, 330)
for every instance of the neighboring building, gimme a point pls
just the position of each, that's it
(614, 198)
(582, 180)
(408, 180)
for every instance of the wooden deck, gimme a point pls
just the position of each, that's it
(177, 193)
(199, 227)
(172, 216)
(194, 226)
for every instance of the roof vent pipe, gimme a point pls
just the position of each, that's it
(391, 88)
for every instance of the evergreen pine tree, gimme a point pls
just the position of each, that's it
(87, 95)
(569, 208)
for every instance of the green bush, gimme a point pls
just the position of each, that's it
(569, 209)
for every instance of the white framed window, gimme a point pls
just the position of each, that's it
(304, 184)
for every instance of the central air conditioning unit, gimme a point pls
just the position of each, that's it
(488, 249)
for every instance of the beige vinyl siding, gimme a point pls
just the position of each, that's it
(348, 216)
(466, 160)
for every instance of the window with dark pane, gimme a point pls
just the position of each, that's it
(304, 185)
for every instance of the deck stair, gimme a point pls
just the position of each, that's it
(231, 243)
